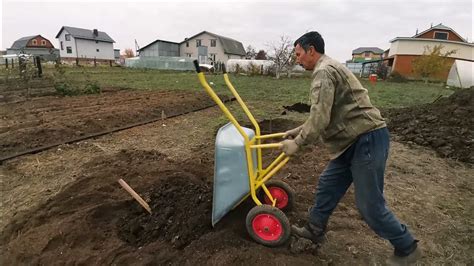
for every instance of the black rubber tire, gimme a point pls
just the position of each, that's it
(275, 215)
(290, 192)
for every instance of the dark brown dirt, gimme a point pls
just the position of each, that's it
(94, 221)
(179, 207)
(49, 120)
(297, 107)
(447, 126)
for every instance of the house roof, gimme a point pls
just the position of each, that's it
(85, 34)
(230, 46)
(21, 43)
(158, 40)
(439, 27)
(374, 50)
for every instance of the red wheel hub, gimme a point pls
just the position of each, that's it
(267, 227)
(280, 195)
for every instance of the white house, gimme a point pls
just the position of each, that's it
(83, 44)
(205, 46)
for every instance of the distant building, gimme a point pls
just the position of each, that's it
(363, 54)
(404, 50)
(35, 45)
(85, 45)
(160, 48)
(205, 46)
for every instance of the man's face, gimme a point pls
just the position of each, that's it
(306, 59)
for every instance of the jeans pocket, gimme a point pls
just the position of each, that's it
(362, 151)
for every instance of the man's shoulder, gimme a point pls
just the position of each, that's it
(327, 64)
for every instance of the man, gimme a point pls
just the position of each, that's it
(357, 138)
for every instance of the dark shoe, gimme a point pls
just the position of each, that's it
(309, 231)
(405, 258)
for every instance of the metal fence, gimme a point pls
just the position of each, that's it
(161, 62)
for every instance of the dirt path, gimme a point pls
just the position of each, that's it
(65, 206)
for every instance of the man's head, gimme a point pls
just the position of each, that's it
(308, 49)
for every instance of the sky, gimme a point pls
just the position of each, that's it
(344, 24)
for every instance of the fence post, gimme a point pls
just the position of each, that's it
(110, 62)
(95, 62)
(77, 61)
(13, 63)
(6, 63)
(38, 65)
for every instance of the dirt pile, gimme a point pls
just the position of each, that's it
(447, 125)
(180, 208)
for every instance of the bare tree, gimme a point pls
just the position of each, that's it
(282, 54)
(250, 52)
(128, 53)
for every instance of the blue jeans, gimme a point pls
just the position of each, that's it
(363, 164)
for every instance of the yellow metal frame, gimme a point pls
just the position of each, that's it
(257, 178)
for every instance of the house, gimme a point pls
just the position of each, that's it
(35, 45)
(205, 46)
(403, 50)
(210, 47)
(363, 54)
(160, 48)
(76, 44)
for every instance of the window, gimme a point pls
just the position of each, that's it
(43, 42)
(212, 57)
(97, 50)
(367, 54)
(62, 47)
(188, 54)
(441, 35)
(69, 49)
(213, 43)
(34, 42)
(198, 43)
(187, 44)
(68, 37)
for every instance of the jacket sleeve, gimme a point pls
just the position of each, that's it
(322, 99)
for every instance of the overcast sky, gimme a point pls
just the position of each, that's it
(344, 24)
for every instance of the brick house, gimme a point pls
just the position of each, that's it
(35, 45)
(363, 54)
(403, 50)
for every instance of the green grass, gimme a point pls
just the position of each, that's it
(265, 95)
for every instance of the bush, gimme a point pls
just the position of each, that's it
(92, 88)
(397, 77)
(65, 89)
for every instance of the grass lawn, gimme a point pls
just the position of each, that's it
(265, 95)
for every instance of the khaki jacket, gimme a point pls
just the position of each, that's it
(340, 108)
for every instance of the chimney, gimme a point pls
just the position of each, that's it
(96, 32)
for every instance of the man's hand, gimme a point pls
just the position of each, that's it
(289, 147)
(292, 133)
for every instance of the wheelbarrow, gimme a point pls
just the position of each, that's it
(239, 173)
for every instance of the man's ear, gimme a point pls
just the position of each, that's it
(312, 50)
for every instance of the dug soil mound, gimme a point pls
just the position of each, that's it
(447, 125)
(179, 207)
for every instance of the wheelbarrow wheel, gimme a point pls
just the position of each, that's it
(284, 194)
(268, 225)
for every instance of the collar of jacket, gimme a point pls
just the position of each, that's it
(318, 63)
